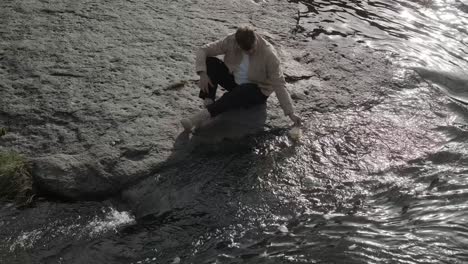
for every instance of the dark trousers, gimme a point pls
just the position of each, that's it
(237, 96)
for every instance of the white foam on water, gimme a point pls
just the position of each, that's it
(26, 240)
(112, 221)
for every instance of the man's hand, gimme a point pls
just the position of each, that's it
(296, 119)
(204, 82)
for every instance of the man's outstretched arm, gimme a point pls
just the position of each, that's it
(279, 85)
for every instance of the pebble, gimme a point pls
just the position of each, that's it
(309, 182)
(283, 229)
(298, 96)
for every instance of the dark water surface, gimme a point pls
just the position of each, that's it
(384, 184)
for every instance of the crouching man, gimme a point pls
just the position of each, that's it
(251, 71)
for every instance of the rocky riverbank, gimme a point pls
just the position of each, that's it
(92, 92)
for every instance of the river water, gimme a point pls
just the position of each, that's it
(387, 183)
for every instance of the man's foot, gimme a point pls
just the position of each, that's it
(195, 120)
(208, 101)
(186, 124)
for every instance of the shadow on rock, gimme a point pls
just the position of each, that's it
(218, 133)
(205, 170)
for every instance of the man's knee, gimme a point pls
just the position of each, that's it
(212, 61)
(213, 65)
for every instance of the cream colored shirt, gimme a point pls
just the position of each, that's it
(264, 66)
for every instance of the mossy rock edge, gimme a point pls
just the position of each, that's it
(16, 183)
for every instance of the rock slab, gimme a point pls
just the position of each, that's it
(93, 92)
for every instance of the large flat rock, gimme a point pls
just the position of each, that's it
(93, 92)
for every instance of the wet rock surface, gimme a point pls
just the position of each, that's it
(93, 92)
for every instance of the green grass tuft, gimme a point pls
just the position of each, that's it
(15, 179)
(3, 131)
